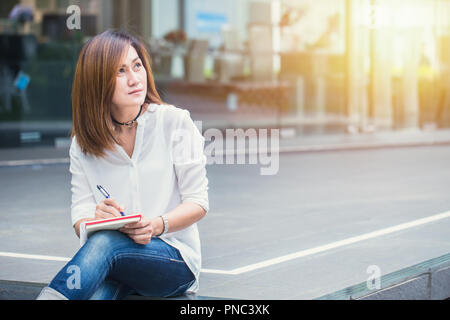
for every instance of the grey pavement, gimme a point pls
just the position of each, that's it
(315, 200)
(290, 141)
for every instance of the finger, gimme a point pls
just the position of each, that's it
(100, 214)
(110, 209)
(126, 231)
(112, 202)
(138, 231)
(106, 213)
(136, 225)
(141, 239)
(129, 231)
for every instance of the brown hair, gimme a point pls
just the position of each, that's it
(93, 88)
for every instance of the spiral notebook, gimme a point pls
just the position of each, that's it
(87, 228)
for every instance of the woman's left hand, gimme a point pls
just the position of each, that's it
(141, 232)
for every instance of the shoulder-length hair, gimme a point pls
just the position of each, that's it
(93, 88)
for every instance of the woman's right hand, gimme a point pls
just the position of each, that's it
(108, 208)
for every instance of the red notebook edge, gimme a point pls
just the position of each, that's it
(90, 223)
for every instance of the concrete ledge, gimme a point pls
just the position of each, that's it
(19, 290)
(413, 289)
(440, 283)
(428, 280)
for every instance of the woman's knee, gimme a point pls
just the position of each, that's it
(104, 238)
(103, 243)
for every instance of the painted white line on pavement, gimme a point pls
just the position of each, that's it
(65, 259)
(340, 243)
(32, 162)
(32, 256)
(285, 258)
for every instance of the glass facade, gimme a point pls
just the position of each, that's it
(363, 64)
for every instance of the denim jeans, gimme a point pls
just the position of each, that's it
(111, 266)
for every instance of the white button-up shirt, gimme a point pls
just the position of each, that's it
(167, 168)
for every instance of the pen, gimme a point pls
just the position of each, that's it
(106, 195)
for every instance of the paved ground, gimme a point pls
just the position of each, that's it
(299, 215)
(315, 201)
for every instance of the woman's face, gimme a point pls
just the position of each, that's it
(131, 81)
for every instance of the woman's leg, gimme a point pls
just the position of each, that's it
(155, 269)
(87, 270)
(111, 290)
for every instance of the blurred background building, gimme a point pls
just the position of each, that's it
(337, 65)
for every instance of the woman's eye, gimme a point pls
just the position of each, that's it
(137, 65)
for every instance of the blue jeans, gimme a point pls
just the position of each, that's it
(111, 266)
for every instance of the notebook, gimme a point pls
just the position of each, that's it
(87, 228)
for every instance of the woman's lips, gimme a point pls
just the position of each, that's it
(136, 92)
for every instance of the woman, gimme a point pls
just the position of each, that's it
(149, 156)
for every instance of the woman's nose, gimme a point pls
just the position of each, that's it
(132, 78)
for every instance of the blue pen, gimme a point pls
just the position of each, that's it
(107, 196)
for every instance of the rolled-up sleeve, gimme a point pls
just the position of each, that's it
(83, 201)
(190, 162)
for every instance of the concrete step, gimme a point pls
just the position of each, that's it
(428, 280)
(21, 290)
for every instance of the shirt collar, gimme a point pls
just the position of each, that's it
(151, 108)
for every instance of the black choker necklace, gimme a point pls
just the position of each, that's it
(129, 123)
